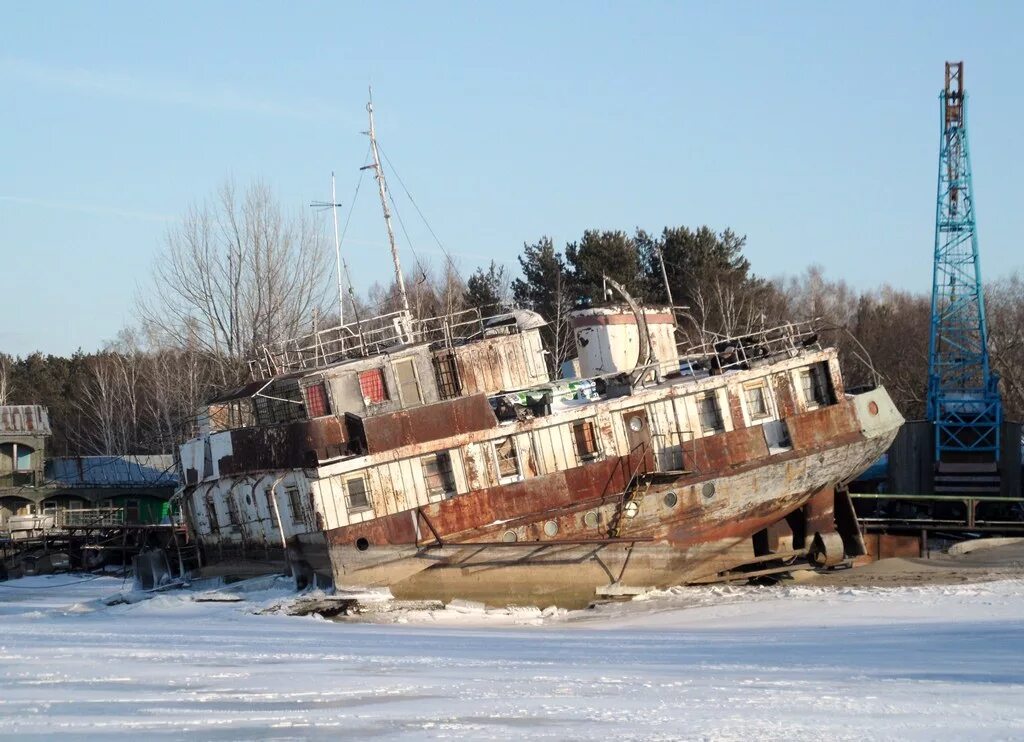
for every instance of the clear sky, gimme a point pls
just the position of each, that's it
(810, 127)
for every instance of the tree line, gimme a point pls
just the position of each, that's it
(239, 272)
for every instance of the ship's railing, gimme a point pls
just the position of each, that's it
(367, 337)
(741, 351)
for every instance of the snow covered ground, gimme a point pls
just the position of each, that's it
(939, 662)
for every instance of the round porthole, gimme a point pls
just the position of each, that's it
(873, 407)
(591, 519)
(362, 544)
(248, 500)
(636, 423)
(671, 499)
(709, 489)
(631, 509)
(551, 528)
(509, 537)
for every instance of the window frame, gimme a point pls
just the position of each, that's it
(711, 396)
(517, 457)
(415, 381)
(313, 399)
(816, 394)
(449, 486)
(378, 373)
(367, 505)
(762, 387)
(212, 518)
(295, 498)
(595, 440)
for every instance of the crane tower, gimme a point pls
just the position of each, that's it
(963, 395)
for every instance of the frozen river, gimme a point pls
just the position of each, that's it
(715, 663)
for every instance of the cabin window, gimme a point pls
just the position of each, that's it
(316, 400)
(22, 457)
(506, 457)
(814, 386)
(408, 383)
(295, 503)
(584, 438)
(355, 491)
(757, 401)
(268, 493)
(371, 384)
(131, 511)
(211, 515)
(233, 516)
(438, 474)
(710, 414)
(447, 376)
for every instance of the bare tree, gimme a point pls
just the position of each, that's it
(5, 378)
(236, 274)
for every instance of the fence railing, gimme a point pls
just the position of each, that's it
(946, 511)
(367, 337)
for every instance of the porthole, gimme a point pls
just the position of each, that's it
(248, 500)
(592, 519)
(709, 489)
(631, 509)
(636, 423)
(551, 528)
(362, 543)
(671, 499)
(509, 537)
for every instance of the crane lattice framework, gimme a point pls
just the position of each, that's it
(963, 394)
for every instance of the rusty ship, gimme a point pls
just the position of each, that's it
(437, 456)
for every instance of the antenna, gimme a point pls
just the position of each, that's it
(382, 187)
(334, 206)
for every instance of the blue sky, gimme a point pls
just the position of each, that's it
(810, 127)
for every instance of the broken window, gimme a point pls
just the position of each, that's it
(211, 515)
(814, 386)
(316, 400)
(506, 457)
(438, 474)
(295, 503)
(584, 437)
(757, 401)
(355, 492)
(710, 414)
(371, 385)
(408, 382)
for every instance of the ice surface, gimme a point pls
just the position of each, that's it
(941, 662)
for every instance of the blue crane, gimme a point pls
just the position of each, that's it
(963, 393)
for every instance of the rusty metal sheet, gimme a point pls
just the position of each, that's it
(287, 446)
(26, 419)
(429, 423)
(784, 399)
(824, 426)
(742, 446)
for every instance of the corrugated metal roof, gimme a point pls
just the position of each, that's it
(25, 419)
(112, 471)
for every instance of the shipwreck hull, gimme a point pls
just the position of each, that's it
(559, 537)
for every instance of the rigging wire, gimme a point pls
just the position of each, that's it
(430, 229)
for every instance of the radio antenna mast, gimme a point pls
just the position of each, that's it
(383, 189)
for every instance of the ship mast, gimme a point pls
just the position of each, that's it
(383, 189)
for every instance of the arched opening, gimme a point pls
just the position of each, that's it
(13, 506)
(17, 465)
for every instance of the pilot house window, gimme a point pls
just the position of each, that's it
(584, 437)
(709, 413)
(371, 384)
(316, 400)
